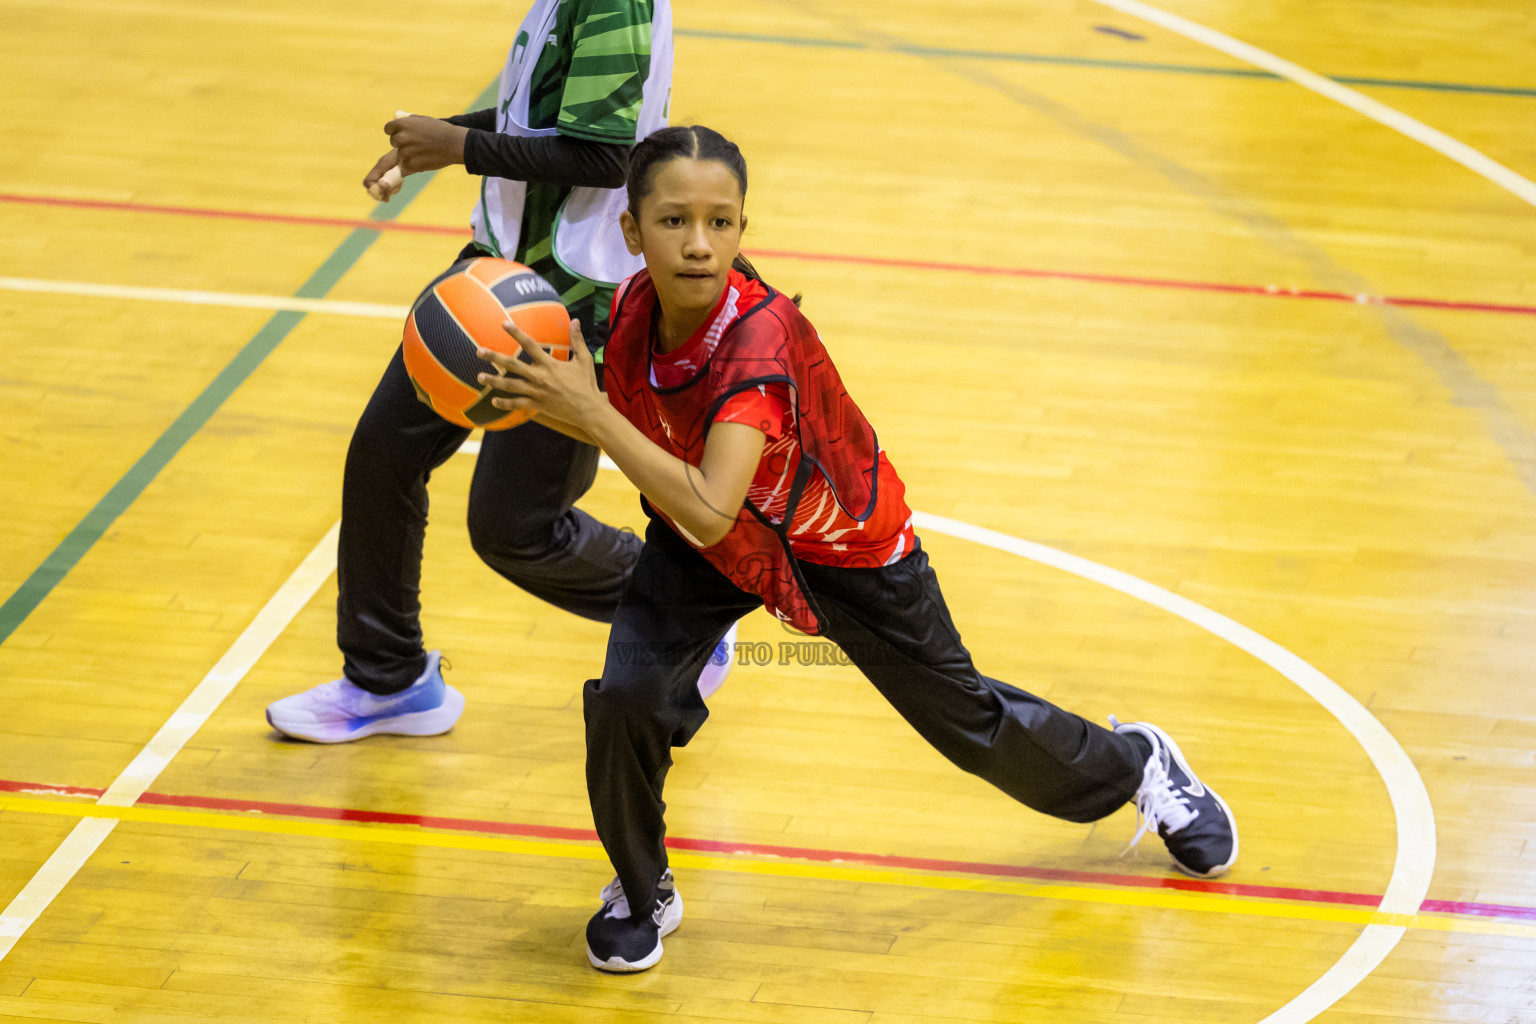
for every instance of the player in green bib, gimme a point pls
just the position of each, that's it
(584, 81)
(599, 79)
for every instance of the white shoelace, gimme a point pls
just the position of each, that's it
(1159, 800)
(614, 900)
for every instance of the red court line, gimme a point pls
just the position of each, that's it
(793, 852)
(209, 212)
(1270, 291)
(1255, 290)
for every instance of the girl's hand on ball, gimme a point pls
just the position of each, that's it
(425, 143)
(537, 381)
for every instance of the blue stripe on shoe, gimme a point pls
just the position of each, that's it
(426, 694)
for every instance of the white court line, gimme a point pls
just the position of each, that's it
(1406, 889)
(1415, 860)
(1410, 802)
(71, 855)
(197, 298)
(1360, 103)
(1414, 866)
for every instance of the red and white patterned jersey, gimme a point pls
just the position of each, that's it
(825, 534)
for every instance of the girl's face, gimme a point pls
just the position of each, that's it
(689, 231)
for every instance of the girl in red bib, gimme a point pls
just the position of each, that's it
(766, 486)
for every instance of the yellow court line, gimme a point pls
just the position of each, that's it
(1161, 899)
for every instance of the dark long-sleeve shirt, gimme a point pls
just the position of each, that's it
(558, 159)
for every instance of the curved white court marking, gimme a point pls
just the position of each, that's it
(1410, 801)
(1415, 862)
(1379, 112)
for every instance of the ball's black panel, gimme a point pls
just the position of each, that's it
(483, 412)
(446, 340)
(521, 289)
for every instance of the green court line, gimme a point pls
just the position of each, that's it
(89, 530)
(1406, 83)
(96, 522)
(915, 50)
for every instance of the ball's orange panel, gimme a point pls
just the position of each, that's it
(448, 393)
(475, 309)
(547, 323)
(489, 269)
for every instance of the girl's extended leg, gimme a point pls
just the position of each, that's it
(894, 625)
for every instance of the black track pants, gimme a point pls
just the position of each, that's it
(521, 522)
(893, 624)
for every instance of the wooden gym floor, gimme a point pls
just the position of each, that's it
(1102, 288)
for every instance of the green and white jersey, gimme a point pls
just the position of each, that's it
(599, 70)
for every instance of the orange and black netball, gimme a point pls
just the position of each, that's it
(466, 307)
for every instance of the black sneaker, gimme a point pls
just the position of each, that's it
(1194, 822)
(621, 942)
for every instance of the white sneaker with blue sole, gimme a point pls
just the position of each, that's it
(341, 711)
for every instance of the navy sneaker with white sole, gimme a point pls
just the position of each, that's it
(622, 942)
(1195, 824)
